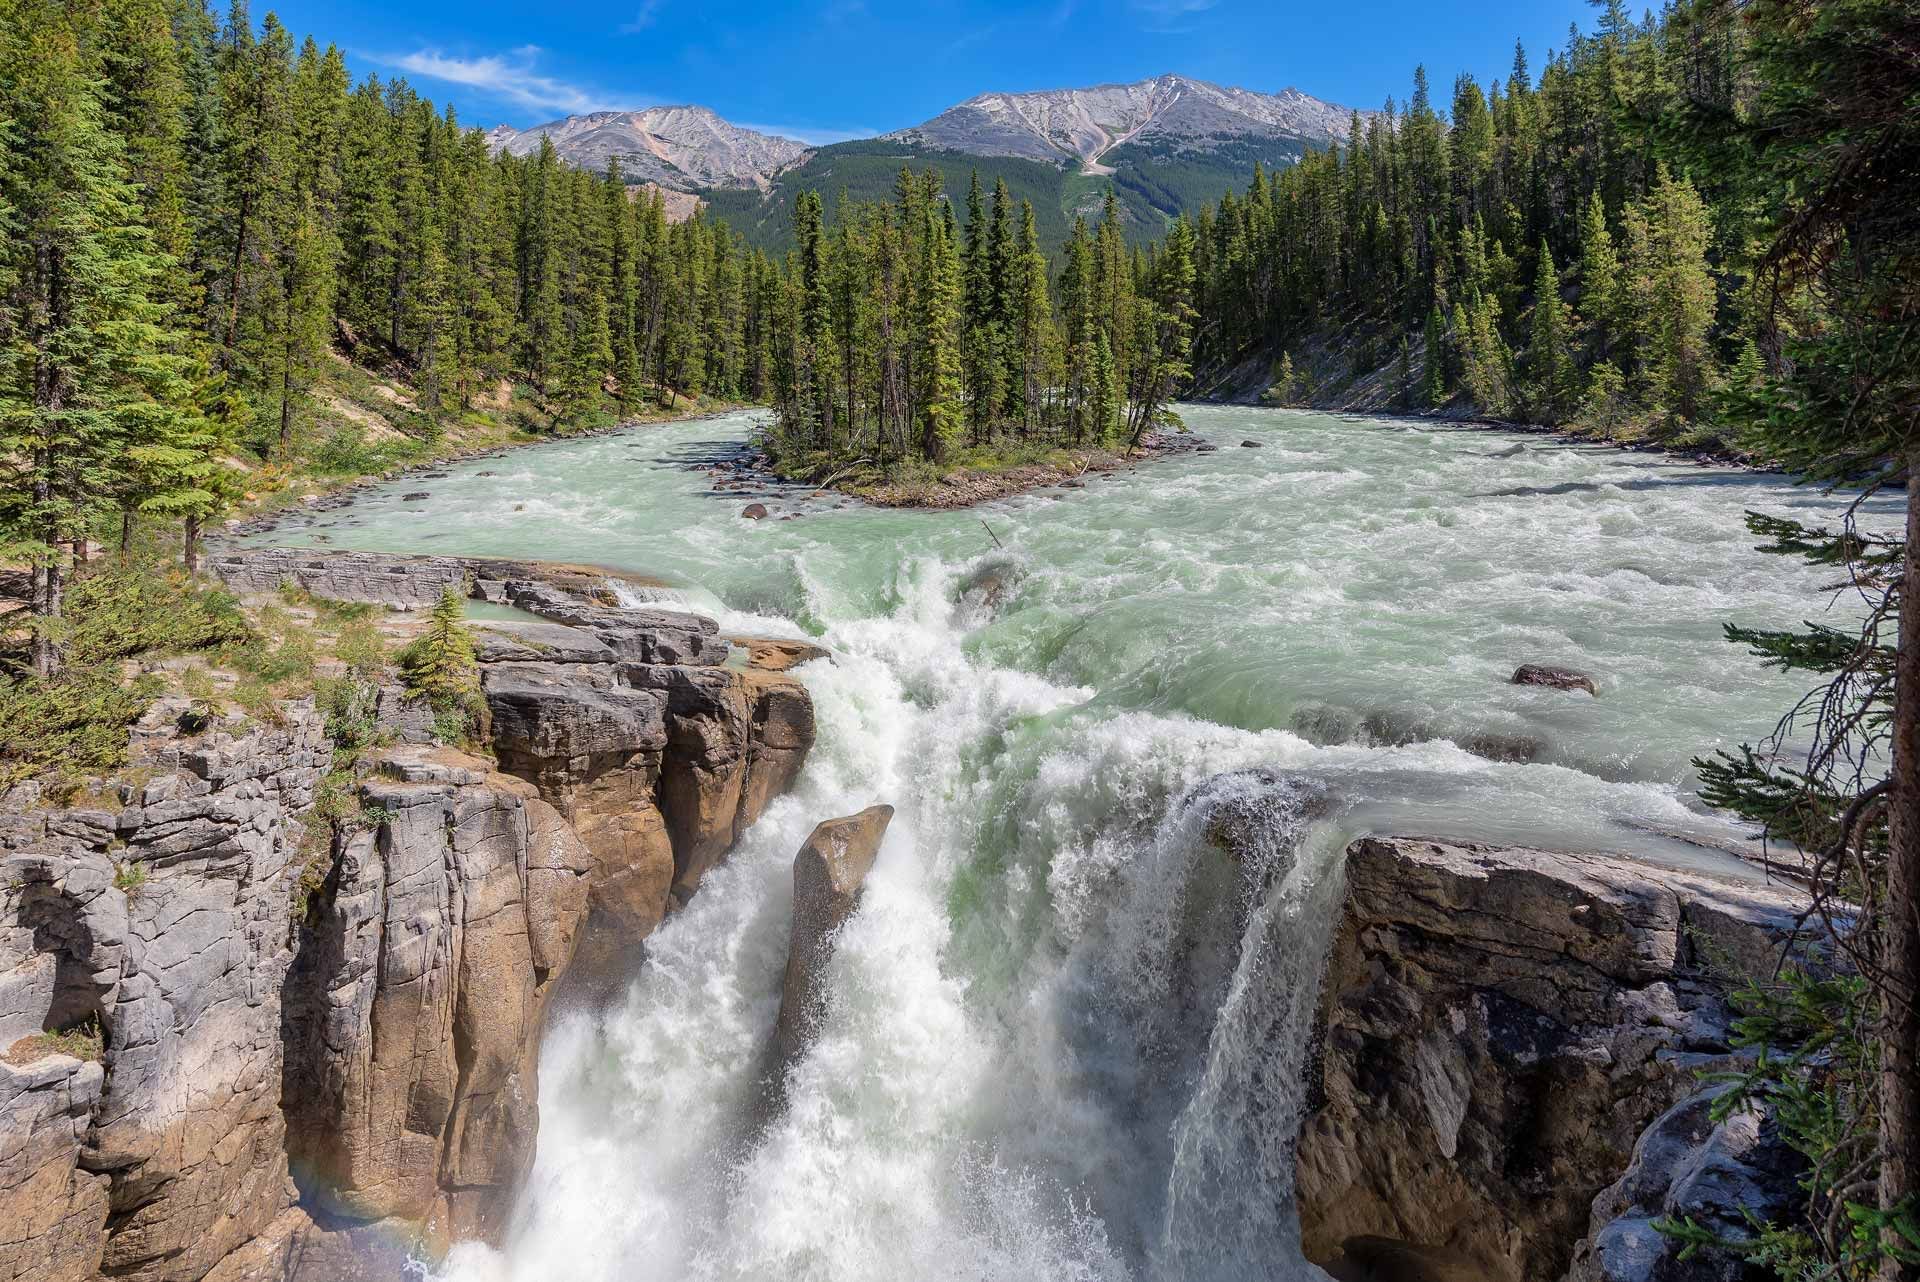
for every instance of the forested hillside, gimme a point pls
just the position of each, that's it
(1572, 248)
(204, 222)
(864, 172)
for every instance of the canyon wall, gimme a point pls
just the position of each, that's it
(1509, 1076)
(236, 1046)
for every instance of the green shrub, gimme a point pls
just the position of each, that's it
(75, 724)
(129, 877)
(439, 666)
(82, 1041)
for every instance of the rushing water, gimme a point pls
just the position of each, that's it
(1063, 1033)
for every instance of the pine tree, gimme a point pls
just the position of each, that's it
(1434, 389)
(939, 392)
(1599, 281)
(1672, 295)
(439, 665)
(1104, 396)
(1548, 358)
(91, 366)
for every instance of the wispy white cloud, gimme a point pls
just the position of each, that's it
(1170, 17)
(512, 77)
(808, 134)
(644, 18)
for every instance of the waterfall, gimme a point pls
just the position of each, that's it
(1060, 1035)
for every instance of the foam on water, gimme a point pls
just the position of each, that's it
(1062, 1036)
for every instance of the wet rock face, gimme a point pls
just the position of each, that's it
(414, 1011)
(158, 915)
(1500, 1027)
(828, 875)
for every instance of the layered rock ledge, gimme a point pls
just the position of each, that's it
(298, 1051)
(1508, 1077)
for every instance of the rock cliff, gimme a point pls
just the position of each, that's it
(234, 1045)
(1508, 1075)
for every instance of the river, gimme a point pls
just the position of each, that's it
(1064, 1039)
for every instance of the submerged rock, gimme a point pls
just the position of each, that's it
(1542, 674)
(754, 511)
(778, 654)
(828, 875)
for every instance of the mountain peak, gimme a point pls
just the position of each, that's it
(1065, 125)
(684, 147)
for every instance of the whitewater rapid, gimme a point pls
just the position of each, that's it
(1064, 1032)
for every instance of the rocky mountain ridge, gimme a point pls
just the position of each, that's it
(683, 149)
(691, 149)
(1083, 125)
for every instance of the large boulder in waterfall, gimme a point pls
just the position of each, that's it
(828, 874)
(1500, 1026)
(1554, 678)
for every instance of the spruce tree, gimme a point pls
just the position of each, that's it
(93, 365)
(1548, 359)
(939, 392)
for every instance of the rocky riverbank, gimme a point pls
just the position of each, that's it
(241, 1044)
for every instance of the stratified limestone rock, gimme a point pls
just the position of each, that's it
(417, 582)
(704, 774)
(160, 917)
(416, 1005)
(1501, 1026)
(53, 1215)
(828, 874)
(524, 642)
(593, 748)
(643, 635)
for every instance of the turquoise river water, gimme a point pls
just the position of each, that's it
(1057, 1045)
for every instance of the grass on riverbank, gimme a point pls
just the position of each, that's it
(360, 423)
(138, 628)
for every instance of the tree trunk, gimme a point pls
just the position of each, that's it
(233, 279)
(126, 530)
(1900, 1033)
(190, 550)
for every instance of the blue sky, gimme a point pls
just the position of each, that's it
(821, 70)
